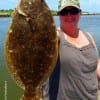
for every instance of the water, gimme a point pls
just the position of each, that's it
(8, 88)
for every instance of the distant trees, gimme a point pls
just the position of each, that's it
(8, 12)
(4, 12)
(54, 12)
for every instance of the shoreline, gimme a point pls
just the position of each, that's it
(8, 15)
(5, 15)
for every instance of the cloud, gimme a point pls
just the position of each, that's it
(11, 1)
(52, 4)
(8, 4)
(90, 5)
(94, 2)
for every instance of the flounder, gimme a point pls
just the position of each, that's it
(31, 46)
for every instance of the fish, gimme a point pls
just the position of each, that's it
(31, 46)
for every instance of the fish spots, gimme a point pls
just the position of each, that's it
(31, 46)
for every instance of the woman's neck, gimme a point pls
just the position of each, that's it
(71, 32)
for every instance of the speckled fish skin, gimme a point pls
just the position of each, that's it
(31, 46)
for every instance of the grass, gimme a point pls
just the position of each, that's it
(99, 95)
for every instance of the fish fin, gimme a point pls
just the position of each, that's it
(20, 11)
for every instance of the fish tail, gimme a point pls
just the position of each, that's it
(28, 95)
(31, 95)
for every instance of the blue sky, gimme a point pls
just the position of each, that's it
(86, 5)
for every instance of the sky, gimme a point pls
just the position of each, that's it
(86, 5)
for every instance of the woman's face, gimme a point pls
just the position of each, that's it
(69, 17)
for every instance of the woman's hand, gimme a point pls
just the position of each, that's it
(98, 69)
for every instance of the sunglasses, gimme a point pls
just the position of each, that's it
(72, 11)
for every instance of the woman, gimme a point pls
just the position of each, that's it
(75, 75)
